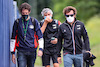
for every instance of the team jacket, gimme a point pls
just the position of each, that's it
(18, 36)
(50, 31)
(72, 36)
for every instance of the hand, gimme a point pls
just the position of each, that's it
(90, 53)
(40, 53)
(59, 60)
(54, 41)
(48, 19)
(13, 58)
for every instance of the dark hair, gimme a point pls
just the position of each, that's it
(25, 6)
(68, 9)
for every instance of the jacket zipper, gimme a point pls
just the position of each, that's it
(72, 32)
(73, 38)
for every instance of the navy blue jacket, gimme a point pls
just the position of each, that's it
(28, 44)
(72, 36)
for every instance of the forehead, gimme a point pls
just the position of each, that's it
(45, 13)
(71, 12)
(25, 10)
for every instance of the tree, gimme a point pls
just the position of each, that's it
(37, 6)
(43, 4)
(86, 8)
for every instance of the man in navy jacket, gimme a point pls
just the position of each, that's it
(23, 38)
(72, 31)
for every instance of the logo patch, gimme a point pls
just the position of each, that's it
(31, 27)
(64, 30)
(54, 26)
(78, 27)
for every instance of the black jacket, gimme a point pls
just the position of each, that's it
(72, 36)
(50, 31)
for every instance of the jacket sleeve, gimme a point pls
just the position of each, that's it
(85, 39)
(41, 23)
(13, 40)
(59, 44)
(39, 34)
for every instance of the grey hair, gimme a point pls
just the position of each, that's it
(45, 10)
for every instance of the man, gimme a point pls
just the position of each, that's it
(23, 31)
(72, 32)
(49, 28)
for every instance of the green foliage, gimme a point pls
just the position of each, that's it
(93, 26)
(19, 2)
(38, 61)
(95, 50)
(85, 8)
(43, 4)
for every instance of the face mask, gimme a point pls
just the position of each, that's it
(46, 16)
(50, 17)
(25, 17)
(70, 19)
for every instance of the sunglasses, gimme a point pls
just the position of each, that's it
(70, 15)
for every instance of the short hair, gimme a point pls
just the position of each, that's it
(25, 6)
(45, 10)
(68, 9)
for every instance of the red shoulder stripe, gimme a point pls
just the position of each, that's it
(59, 23)
(36, 40)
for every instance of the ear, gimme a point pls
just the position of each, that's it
(29, 12)
(75, 16)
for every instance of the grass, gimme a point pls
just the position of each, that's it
(38, 62)
(93, 29)
(95, 50)
(92, 26)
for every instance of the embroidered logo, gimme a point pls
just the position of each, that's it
(78, 27)
(64, 30)
(54, 26)
(31, 27)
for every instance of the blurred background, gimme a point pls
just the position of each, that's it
(88, 11)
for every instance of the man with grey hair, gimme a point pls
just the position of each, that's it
(45, 10)
(49, 28)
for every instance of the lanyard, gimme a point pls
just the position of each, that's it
(25, 30)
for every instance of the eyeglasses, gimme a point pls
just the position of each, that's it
(70, 15)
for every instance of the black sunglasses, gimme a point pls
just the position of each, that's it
(70, 15)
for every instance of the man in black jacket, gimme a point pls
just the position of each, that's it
(72, 32)
(49, 28)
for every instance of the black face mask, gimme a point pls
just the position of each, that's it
(24, 17)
